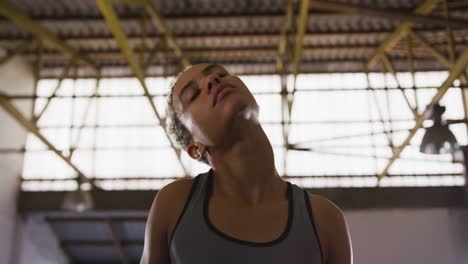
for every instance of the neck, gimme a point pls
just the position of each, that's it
(244, 168)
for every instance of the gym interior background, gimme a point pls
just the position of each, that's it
(364, 102)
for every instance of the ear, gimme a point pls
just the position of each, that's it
(196, 150)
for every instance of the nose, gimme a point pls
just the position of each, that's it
(212, 80)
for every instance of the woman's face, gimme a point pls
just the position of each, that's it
(209, 120)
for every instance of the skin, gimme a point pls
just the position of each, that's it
(241, 156)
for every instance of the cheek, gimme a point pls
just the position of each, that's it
(239, 83)
(244, 89)
(201, 126)
(248, 98)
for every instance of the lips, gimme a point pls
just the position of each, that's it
(219, 91)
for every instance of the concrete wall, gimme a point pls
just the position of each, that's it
(429, 236)
(16, 77)
(38, 243)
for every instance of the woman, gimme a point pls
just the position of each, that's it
(240, 211)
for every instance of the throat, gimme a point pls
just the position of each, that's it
(249, 192)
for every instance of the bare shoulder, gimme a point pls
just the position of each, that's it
(332, 230)
(164, 213)
(175, 190)
(324, 206)
(327, 215)
(171, 200)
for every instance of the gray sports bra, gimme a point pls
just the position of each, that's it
(196, 240)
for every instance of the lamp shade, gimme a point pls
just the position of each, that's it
(438, 139)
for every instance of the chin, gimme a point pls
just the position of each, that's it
(231, 106)
(230, 120)
(239, 109)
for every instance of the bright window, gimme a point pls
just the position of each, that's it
(121, 144)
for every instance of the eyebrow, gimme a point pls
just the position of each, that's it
(210, 67)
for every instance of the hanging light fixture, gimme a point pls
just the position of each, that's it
(78, 200)
(438, 138)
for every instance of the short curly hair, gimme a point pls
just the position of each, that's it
(176, 129)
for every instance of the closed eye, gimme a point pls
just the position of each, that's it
(194, 96)
(222, 74)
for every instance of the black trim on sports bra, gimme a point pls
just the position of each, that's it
(209, 190)
(189, 198)
(309, 212)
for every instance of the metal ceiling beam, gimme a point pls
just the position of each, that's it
(292, 177)
(113, 22)
(297, 55)
(31, 127)
(412, 72)
(143, 47)
(132, 15)
(21, 19)
(389, 67)
(323, 151)
(425, 43)
(303, 16)
(63, 76)
(15, 15)
(388, 132)
(464, 97)
(161, 25)
(242, 66)
(282, 65)
(283, 62)
(458, 4)
(451, 42)
(117, 243)
(74, 144)
(288, 99)
(458, 68)
(18, 50)
(150, 148)
(321, 52)
(238, 52)
(350, 198)
(386, 46)
(326, 122)
(330, 150)
(317, 8)
(37, 66)
(186, 36)
(314, 90)
(283, 38)
(387, 13)
(119, 35)
(341, 147)
(464, 78)
(423, 9)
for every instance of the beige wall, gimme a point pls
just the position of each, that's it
(16, 243)
(426, 236)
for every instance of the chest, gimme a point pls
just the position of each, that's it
(261, 224)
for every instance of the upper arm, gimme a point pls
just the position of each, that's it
(164, 212)
(333, 231)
